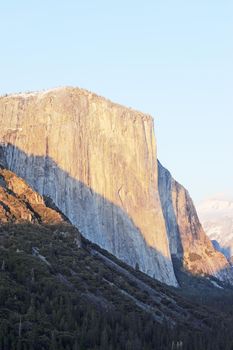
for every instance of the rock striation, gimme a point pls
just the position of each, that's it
(97, 161)
(188, 242)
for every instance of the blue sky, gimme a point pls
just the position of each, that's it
(171, 59)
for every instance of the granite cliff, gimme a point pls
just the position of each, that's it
(187, 240)
(97, 161)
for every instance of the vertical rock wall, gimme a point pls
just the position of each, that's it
(97, 161)
(188, 241)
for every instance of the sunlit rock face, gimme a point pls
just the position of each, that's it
(97, 161)
(20, 204)
(188, 241)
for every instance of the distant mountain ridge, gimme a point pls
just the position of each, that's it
(216, 215)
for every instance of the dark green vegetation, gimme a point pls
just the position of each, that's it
(54, 295)
(60, 292)
(201, 290)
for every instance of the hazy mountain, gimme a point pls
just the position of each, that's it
(216, 215)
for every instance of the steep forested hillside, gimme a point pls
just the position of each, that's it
(54, 295)
(59, 291)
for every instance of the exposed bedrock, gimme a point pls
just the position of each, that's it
(187, 239)
(97, 161)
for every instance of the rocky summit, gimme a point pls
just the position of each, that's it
(97, 162)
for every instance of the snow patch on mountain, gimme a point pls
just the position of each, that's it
(216, 215)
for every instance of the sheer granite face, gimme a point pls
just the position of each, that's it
(97, 161)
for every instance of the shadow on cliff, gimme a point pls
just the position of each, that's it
(172, 227)
(99, 220)
(167, 186)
